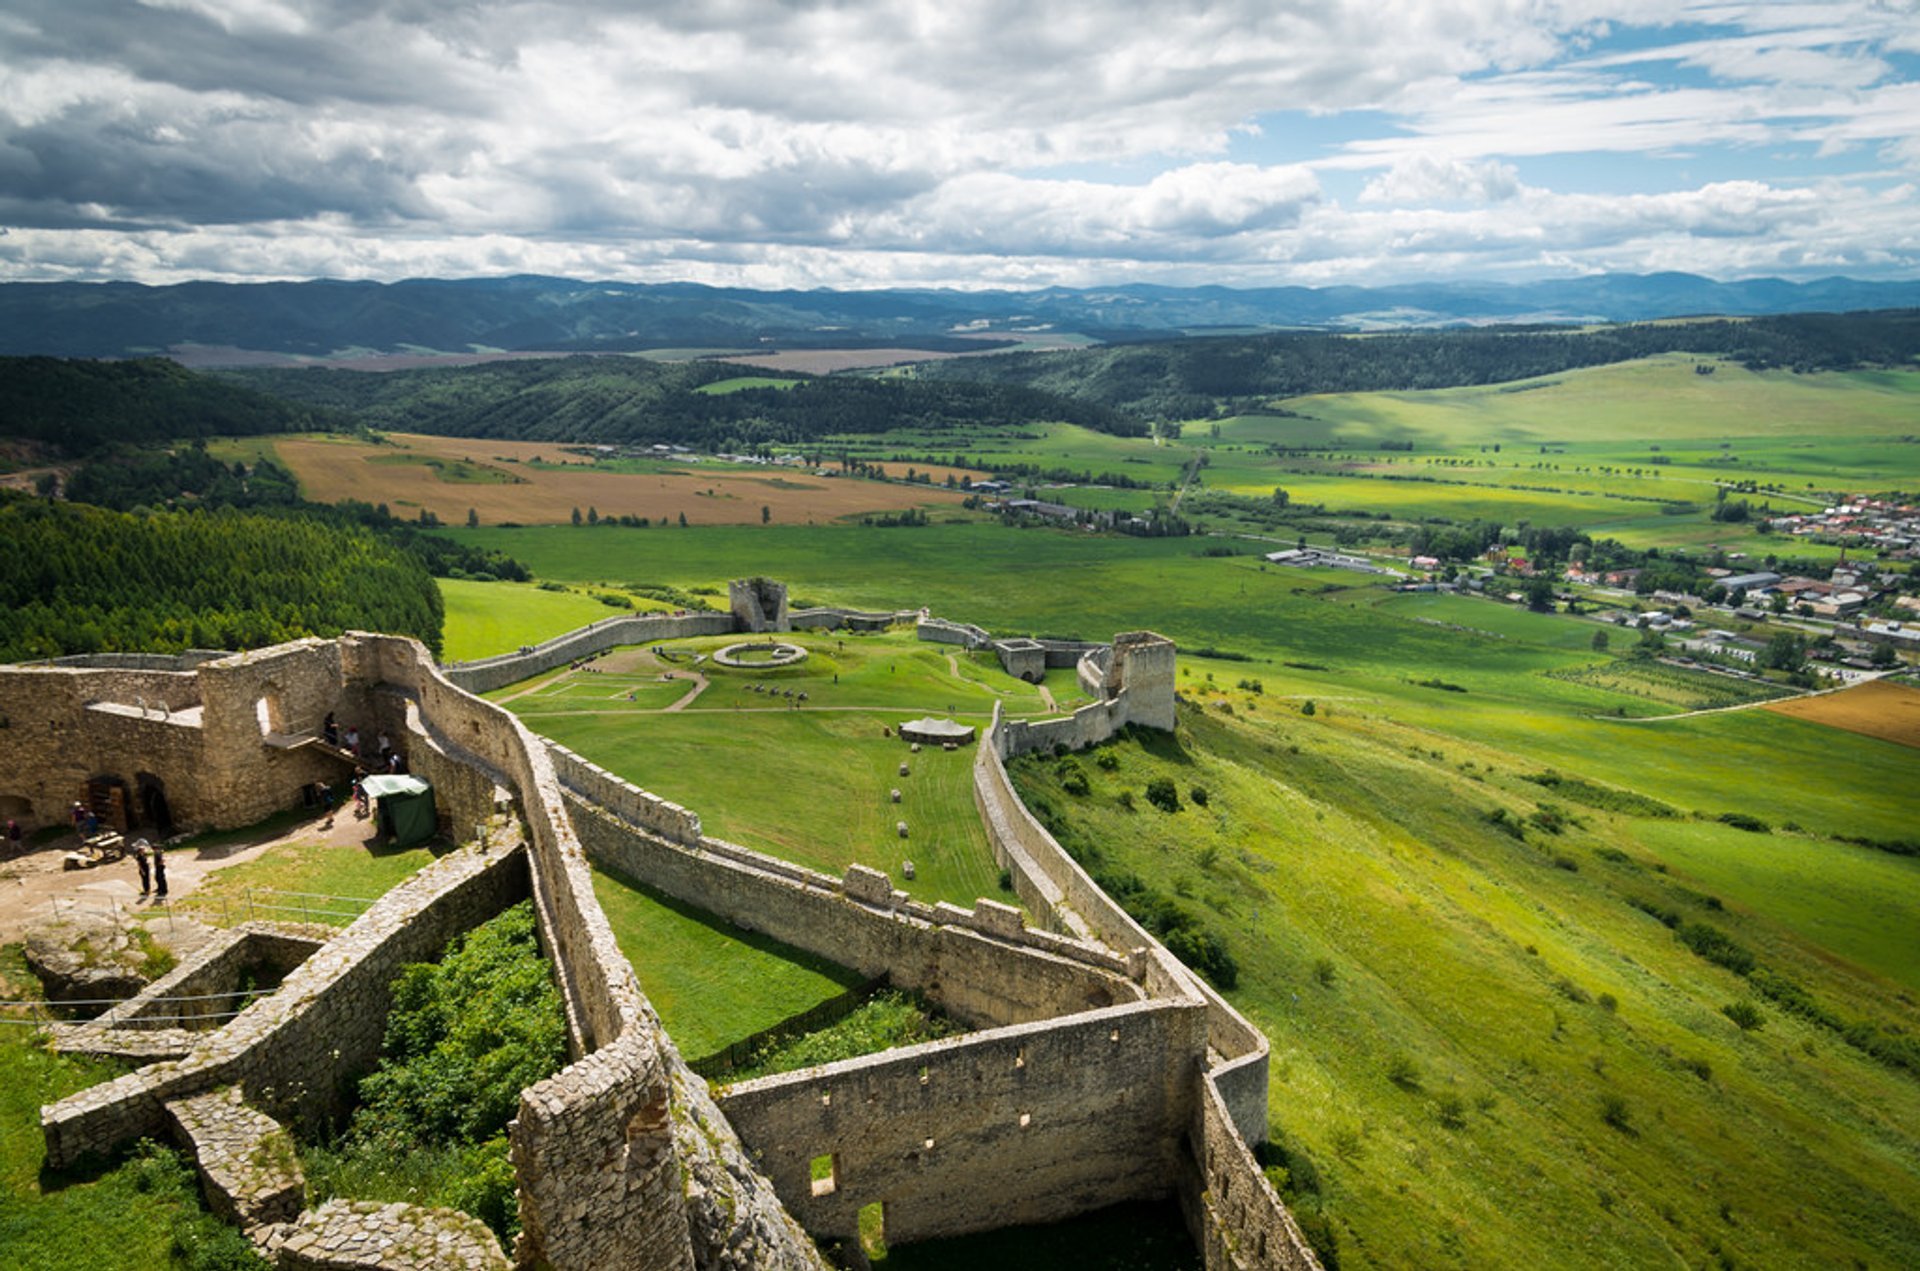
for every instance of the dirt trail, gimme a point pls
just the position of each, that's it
(699, 687)
(34, 887)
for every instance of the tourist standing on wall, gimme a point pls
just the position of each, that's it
(160, 873)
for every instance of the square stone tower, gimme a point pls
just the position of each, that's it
(1142, 667)
(759, 604)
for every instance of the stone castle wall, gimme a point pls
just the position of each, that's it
(1027, 1124)
(628, 802)
(829, 617)
(1239, 1221)
(621, 1158)
(982, 966)
(294, 1051)
(483, 675)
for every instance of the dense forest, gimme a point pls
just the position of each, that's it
(76, 407)
(78, 579)
(1185, 379)
(620, 399)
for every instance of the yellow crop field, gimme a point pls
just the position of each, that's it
(499, 481)
(1882, 709)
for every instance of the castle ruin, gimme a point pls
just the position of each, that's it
(1098, 1069)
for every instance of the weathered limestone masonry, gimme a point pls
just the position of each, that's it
(293, 1052)
(852, 619)
(165, 1019)
(622, 1159)
(1096, 1075)
(483, 675)
(1237, 1219)
(759, 605)
(216, 741)
(982, 966)
(1027, 1124)
(346, 1235)
(1133, 679)
(247, 1163)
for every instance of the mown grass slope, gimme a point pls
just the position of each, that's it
(1486, 1052)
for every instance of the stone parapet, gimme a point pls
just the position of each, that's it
(483, 675)
(592, 782)
(983, 966)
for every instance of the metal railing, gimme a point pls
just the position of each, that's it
(266, 903)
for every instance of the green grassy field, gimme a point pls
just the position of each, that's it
(301, 882)
(739, 382)
(1658, 398)
(488, 618)
(138, 1211)
(713, 984)
(1460, 1091)
(1445, 1061)
(809, 782)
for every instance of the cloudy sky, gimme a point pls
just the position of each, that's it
(958, 142)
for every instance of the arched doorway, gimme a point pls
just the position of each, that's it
(108, 800)
(150, 796)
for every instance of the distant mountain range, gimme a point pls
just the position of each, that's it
(224, 323)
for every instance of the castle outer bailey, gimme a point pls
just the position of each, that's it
(1098, 1069)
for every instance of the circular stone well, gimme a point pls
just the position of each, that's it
(780, 655)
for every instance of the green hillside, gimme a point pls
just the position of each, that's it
(75, 406)
(1490, 928)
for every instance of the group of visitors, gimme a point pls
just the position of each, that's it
(151, 860)
(384, 757)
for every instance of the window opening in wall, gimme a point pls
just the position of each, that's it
(826, 1174)
(925, 1076)
(1114, 1036)
(927, 1146)
(1026, 1119)
(826, 1098)
(267, 712)
(873, 1230)
(1020, 1058)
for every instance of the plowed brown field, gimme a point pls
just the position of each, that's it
(331, 469)
(1883, 709)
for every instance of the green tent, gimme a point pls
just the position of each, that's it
(406, 808)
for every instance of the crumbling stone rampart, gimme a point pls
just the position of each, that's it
(353, 1235)
(293, 1052)
(246, 1160)
(1027, 1124)
(1238, 1219)
(981, 966)
(483, 675)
